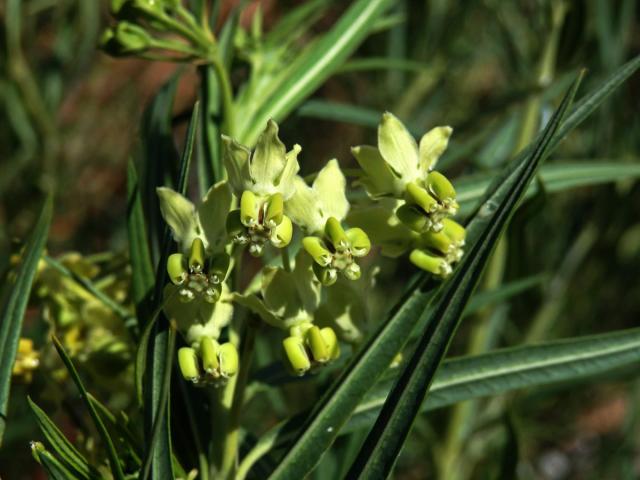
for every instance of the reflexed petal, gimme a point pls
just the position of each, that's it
(302, 208)
(398, 147)
(285, 183)
(236, 162)
(180, 215)
(268, 160)
(330, 187)
(378, 179)
(212, 213)
(432, 146)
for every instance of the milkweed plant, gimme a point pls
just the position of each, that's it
(257, 263)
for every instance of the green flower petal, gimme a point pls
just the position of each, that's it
(398, 147)
(268, 160)
(432, 146)
(303, 209)
(330, 185)
(236, 161)
(285, 182)
(180, 215)
(378, 179)
(383, 227)
(212, 214)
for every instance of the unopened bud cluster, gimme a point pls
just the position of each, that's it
(337, 252)
(198, 276)
(208, 363)
(259, 222)
(309, 347)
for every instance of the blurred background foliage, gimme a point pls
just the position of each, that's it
(71, 119)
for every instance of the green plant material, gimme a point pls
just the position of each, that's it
(382, 446)
(317, 63)
(118, 309)
(16, 302)
(142, 275)
(508, 369)
(162, 411)
(112, 454)
(156, 415)
(556, 177)
(69, 455)
(54, 468)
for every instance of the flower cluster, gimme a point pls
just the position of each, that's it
(311, 295)
(400, 175)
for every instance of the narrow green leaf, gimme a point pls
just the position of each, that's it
(142, 276)
(317, 64)
(157, 426)
(112, 454)
(163, 402)
(504, 370)
(54, 468)
(15, 305)
(69, 454)
(340, 112)
(555, 177)
(384, 442)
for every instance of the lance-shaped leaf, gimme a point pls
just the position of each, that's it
(16, 303)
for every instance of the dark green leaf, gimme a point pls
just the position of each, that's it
(16, 302)
(112, 454)
(70, 456)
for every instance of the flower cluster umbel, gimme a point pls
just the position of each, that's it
(259, 208)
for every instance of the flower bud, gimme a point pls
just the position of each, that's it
(282, 234)
(188, 362)
(456, 232)
(229, 361)
(359, 240)
(430, 263)
(412, 217)
(440, 187)
(209, 352)
(248, 208)
(316, 342)
(336, 234)
(419, 196)
(128, 38)
(315, 247)
(326, 275)
(274, 212)
(296, 354)
(331, 340)
(196, 257)
(176, 268)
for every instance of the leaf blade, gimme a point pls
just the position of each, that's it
(14, 309)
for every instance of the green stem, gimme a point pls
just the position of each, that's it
(230, 451)
(226, 92)
(286, 259)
